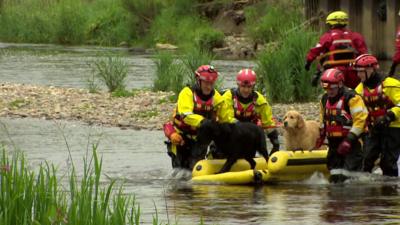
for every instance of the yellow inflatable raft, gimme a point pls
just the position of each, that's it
(282, 166)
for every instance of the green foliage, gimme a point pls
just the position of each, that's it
(27, 198)
(122, 93)
(71, 22)
(169, 74)
(173, 73)
(142, 14)
(91, 82)
(280, 70)
(209, 38)
(194, 58)
(102, 22)
(18, 103)
(108, 24)
(36, 26)
(266, 23)
(112, 71)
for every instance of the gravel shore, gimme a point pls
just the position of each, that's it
(145, 110)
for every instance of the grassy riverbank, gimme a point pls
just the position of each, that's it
(28, 197)
(103, 22)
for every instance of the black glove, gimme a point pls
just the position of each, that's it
(392, 69)
(273, 136)
(307, 65)
(315, 78)
(385, 120)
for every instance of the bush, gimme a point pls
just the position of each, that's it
(280, 71)
(169, 73)
(71, 23)
(208, 39)
(173, 73)
(265, 23)
(112, 71)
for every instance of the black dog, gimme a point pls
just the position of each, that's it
(238, 140)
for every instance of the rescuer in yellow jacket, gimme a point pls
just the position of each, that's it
(195, 104)
(382, 98)
(343, 117)
(248, 105)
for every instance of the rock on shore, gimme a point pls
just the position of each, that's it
(145, 110)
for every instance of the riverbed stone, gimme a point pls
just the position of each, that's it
(146, 110)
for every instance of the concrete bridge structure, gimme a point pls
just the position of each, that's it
(376, 20)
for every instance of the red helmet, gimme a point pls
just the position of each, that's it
(332, 78)
(206, 73)
(365, 60)
(246, 77)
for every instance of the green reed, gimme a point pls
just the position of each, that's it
(175, 72)
(29, 198)
(111, 71)
(280, 69)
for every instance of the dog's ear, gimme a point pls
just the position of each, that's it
(300, 121)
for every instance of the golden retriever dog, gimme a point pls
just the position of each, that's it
(299, 134)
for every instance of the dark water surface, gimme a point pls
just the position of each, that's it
(139, 157)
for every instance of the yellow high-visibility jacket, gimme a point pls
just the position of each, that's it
(391, 88)
(262, 108)
(185, 106)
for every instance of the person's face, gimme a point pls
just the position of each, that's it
(332, 92)
(364, 73)
(245, 90)
(206, 87)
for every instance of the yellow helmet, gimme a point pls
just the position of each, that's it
(337, 18)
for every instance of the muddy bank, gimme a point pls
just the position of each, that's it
(145, 110)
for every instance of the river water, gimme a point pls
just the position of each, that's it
(139, 158)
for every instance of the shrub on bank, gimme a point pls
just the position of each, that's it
(112, 71)
(281, 71)
(106, 22)
(266, 22)
(64, 22)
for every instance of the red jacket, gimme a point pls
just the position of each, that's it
(325, 42)
(396, 56)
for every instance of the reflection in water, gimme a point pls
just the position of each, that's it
(362, 204)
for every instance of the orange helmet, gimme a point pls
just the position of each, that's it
(246, 77)
(332, 78)
(206, 73)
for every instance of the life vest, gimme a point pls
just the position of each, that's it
(337, 119)
(245, 115)
(377, 102)
(201, 107)
(342, 51)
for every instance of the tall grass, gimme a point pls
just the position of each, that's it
(107, 22)
(281, 72)
(266, 22)
(65, 22)
(169, 73)
(175, 72)
(112, 71)
(29, 198)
